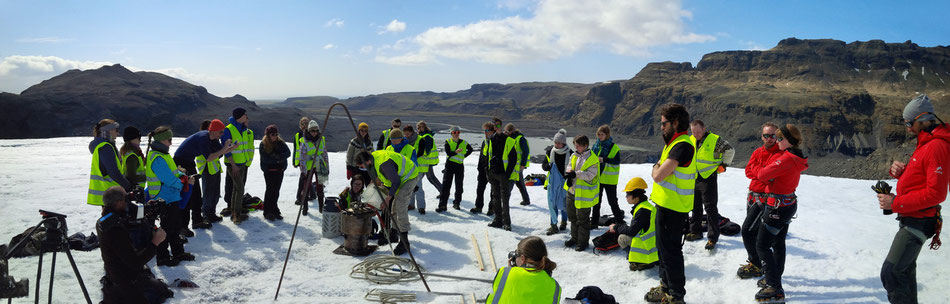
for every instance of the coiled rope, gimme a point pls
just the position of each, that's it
(386, 269)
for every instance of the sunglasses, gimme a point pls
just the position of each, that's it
(487, 130)
(767, 135)
(663, 123)
(779, 138)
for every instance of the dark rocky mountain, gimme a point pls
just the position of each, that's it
(72, 103)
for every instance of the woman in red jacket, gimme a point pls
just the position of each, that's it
(781, 175)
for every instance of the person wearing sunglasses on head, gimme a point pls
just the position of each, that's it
(361, 142)
(921, 187)
(755, 200)
(527, 278)
(274, 154)
(781, 176)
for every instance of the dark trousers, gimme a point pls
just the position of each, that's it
(611, 200)
(706, 196)
(899, 273)
(480, 188)
(272, 179)
(579, 218)
(669, 245)
(770, 243)
(521, 187)
(193, 208)
(229, 183)
(750, 229)
(452, 171)
(500, 196)
(211, 192)
(171, 223)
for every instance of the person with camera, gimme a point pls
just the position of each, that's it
(165, 182)
(781, 175)
(126, 276)
(921, 187)
(106, 167)
(527, 278)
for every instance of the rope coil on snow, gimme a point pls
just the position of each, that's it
(389, 296)
(386, 269)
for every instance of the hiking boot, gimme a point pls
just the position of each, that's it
(270, 217)
(411, 207)
(525, 203)
(226, 212)
(187, 232)
(185, 256)
(634, 266)
(761, 283)
(440, 210)
(668, 299)
(297, 202)
(580, 247)
(551, 231)
(170, 262)
(656, 294)
(770, 294)
(563, 226)
(183, 238)
(403, 245)
(506, 227)
(204, 224)
(422, 210)
(457, 206)
(749, 271)
(211, 218)
(278, 217)
(570, 243)
(710, 245)
(494, 224)
(693, 236)
(475, 210)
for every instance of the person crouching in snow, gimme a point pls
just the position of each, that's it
(640, 235)
(354, 192)
(556, 162)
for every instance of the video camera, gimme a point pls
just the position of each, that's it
(141, 211)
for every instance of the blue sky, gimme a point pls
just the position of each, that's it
(279, 49)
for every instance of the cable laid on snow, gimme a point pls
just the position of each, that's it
(389, 296)
(386, 269)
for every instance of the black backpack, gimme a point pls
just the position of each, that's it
(605, 242)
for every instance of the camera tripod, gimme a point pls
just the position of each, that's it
(54, 241)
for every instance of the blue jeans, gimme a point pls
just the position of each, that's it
(210, 192)
(556, 196)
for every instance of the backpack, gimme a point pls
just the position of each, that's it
(252, 203)
(593, 295)
(605, 242)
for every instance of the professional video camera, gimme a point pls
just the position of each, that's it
(141, 211)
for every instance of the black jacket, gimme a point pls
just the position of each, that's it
(124, 264)
(640, 222)
(449, 152)
(277, 159)
(496, 163)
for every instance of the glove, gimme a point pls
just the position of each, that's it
(570, 175)
(570, 182)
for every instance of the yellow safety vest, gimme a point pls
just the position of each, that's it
(244, 152)
(518, 285)
(521, 153)
(311, 151)
(510, 143)
(407, 151)
(611, 173)
(459, 157)
(99, 182)
(643, 245)
(431, 158)
(212, 166)
(675, 192)
(586, 194)
(155, 185)
(297, 149)
(707, 159)
(406, 169)
(486, 152)
(140, 172)
(386, 142)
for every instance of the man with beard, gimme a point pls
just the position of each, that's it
(756, 199)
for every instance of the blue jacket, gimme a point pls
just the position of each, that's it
(194, 145)
(171, 185)
(399, 147)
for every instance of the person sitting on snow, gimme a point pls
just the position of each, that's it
(640, 234)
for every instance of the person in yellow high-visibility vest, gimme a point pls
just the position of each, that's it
(106, 168)
(527, 278)
(237, 162)
(210, 169)
(523, 151)
(583, 191)
(313, 156)
(133, 160)
(713, 154)
(608, 153)
(456, 150)
(383, 140)
(674, 178)
(488, 130)
(428, 156)
(396, 173)
(502, 175)
(640, 235)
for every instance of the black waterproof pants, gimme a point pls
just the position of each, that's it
(750, 230)
(480, 188)
(669, 245)
(500, 196)
(770, 243)
(611, 200)
(706, 196)
(272, 180)
(192, 210)
(171, 223)
(899, 273)
(453, 171)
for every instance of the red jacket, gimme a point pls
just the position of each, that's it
(759, 159)
(783, 172)
(924, 181)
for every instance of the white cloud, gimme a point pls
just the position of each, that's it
(366, 49)
(752, 45)
(558, 28)
(516, 4)
(44, 40)
(329, 46)
(394, 26)
(33, 65)
(335, 22)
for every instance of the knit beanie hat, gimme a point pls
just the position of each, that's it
(396, 134)
(917, 106)
(561, 136)
(271, 129)
(363, 126)
(314, 125)
(165, 135)
(238, 112)
(455, 129)
(131, 133)
(216, 125)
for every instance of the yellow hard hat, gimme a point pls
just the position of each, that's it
(635, 183)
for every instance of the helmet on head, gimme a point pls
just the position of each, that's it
(635, 183)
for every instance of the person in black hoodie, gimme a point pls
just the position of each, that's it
(456, 150)
(274, 154)
(126, 275)
(482, 166)
(499, 177)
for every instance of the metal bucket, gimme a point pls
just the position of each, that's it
(357, 229)
(331, 218)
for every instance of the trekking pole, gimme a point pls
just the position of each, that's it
(303, 202)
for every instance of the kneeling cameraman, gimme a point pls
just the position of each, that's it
(127, 279)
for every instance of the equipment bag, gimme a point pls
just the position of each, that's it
(606, 242)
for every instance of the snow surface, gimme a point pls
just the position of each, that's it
(835, 246)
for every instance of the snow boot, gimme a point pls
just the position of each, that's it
(656, 294)
(563, 226)
(203, 224)
(422, 211)
(693, 236)
(770, 294)
(187, 232)
(749, 271)
(710, 245)
(506, 227)
(211, 218)
(403, 245)
(166, 261)
(761, 283)
(475, 210)
(553, 230)
(393, 237)
(570, 243)
(185, 256)
(457, 205)
(668, 299)
(634, 266)
(525, 203)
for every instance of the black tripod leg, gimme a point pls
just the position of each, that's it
(52, 273)
(39, 271)
(72, 262)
